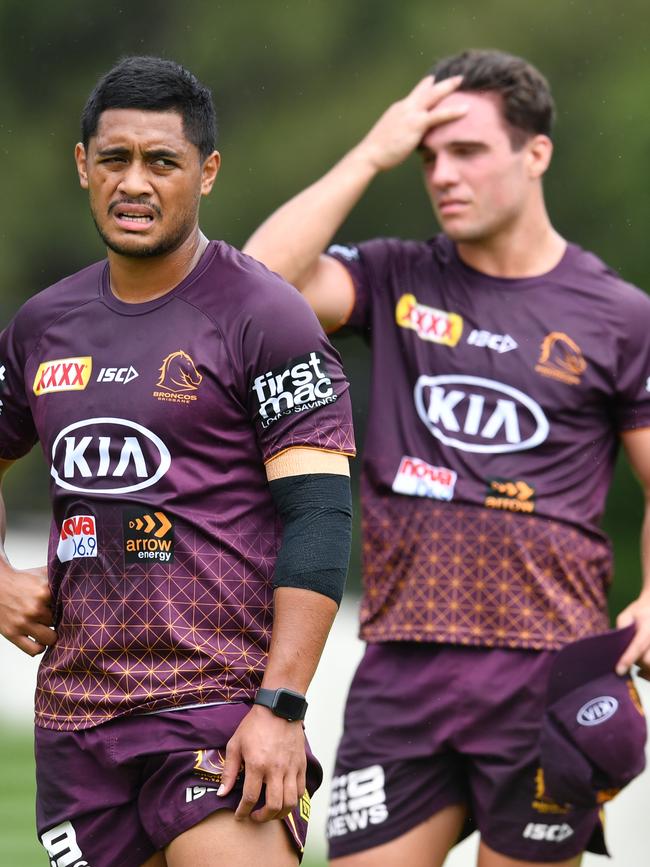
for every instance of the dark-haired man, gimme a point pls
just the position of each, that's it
(201, 510)
(506, 366)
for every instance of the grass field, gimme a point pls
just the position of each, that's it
(18, 840)
(19, 844)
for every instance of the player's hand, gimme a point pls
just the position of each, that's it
(272, 751)
(403, 125)
(25, 608)
(638, 650)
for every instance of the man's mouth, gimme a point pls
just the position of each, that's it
(451, 205)
(135, 218)
(133, 214)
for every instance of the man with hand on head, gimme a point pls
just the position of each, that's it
(201, 510)
(507, 366)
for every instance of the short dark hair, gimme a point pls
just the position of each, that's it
(154, 84)
(528, 106)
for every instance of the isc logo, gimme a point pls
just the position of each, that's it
(479, 415)
(117, 374)
(548, 833)
(497, 342)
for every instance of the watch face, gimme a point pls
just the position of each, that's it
(289, 705)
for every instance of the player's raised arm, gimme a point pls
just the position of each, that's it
(291, 241)
(311, 490)
(25, 613)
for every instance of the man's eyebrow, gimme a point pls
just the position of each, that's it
(459, 142)
(162, 152)
(121, 150)
(116, 151)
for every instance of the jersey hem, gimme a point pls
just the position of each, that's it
(79, 722)
(373, 636)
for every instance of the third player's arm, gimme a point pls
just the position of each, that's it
(304, 606)
(637, 447)
(291, 241)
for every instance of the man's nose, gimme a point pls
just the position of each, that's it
(135, 181)
(444, 172)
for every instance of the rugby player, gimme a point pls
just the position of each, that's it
(507, 365)
(197, 427)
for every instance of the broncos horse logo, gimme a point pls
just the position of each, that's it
(561, 358)
(178, 373)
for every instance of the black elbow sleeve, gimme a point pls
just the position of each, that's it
(316, 512)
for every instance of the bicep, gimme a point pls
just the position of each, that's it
(329, 289)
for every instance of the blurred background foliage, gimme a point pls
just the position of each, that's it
(296, 83)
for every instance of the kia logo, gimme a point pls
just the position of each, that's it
(479, 415)
(100, 450)
(597, 711)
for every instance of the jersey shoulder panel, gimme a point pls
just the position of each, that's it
(236, 290)
(603, 278)
(41, 310)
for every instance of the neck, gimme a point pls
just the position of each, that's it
(135, 280)
(528, 248)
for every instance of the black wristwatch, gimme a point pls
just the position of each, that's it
(286, 703)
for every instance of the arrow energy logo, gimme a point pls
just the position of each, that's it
(148, 535)
(512, 496)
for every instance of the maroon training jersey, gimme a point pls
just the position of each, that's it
(494, 413)
(156, 420)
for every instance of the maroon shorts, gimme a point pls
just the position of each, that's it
(428, 726)
(117, 793)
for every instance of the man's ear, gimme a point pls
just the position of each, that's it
(82, 168)
(538, 157)
(209, 172)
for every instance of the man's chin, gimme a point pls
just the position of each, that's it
(460, 234)
(135, 249)
(138, 247)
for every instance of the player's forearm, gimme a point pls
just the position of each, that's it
(4, 466)
(291, 239)
(645, 548)
(301, 623)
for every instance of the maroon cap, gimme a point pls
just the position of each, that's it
(594, 729)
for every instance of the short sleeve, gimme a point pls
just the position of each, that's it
(633, 379)
(296, 391)
(17, 431)
(368, 267)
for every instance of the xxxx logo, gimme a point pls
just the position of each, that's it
(512, 496)
(63, 374)
(437, 326)
(147, 536)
